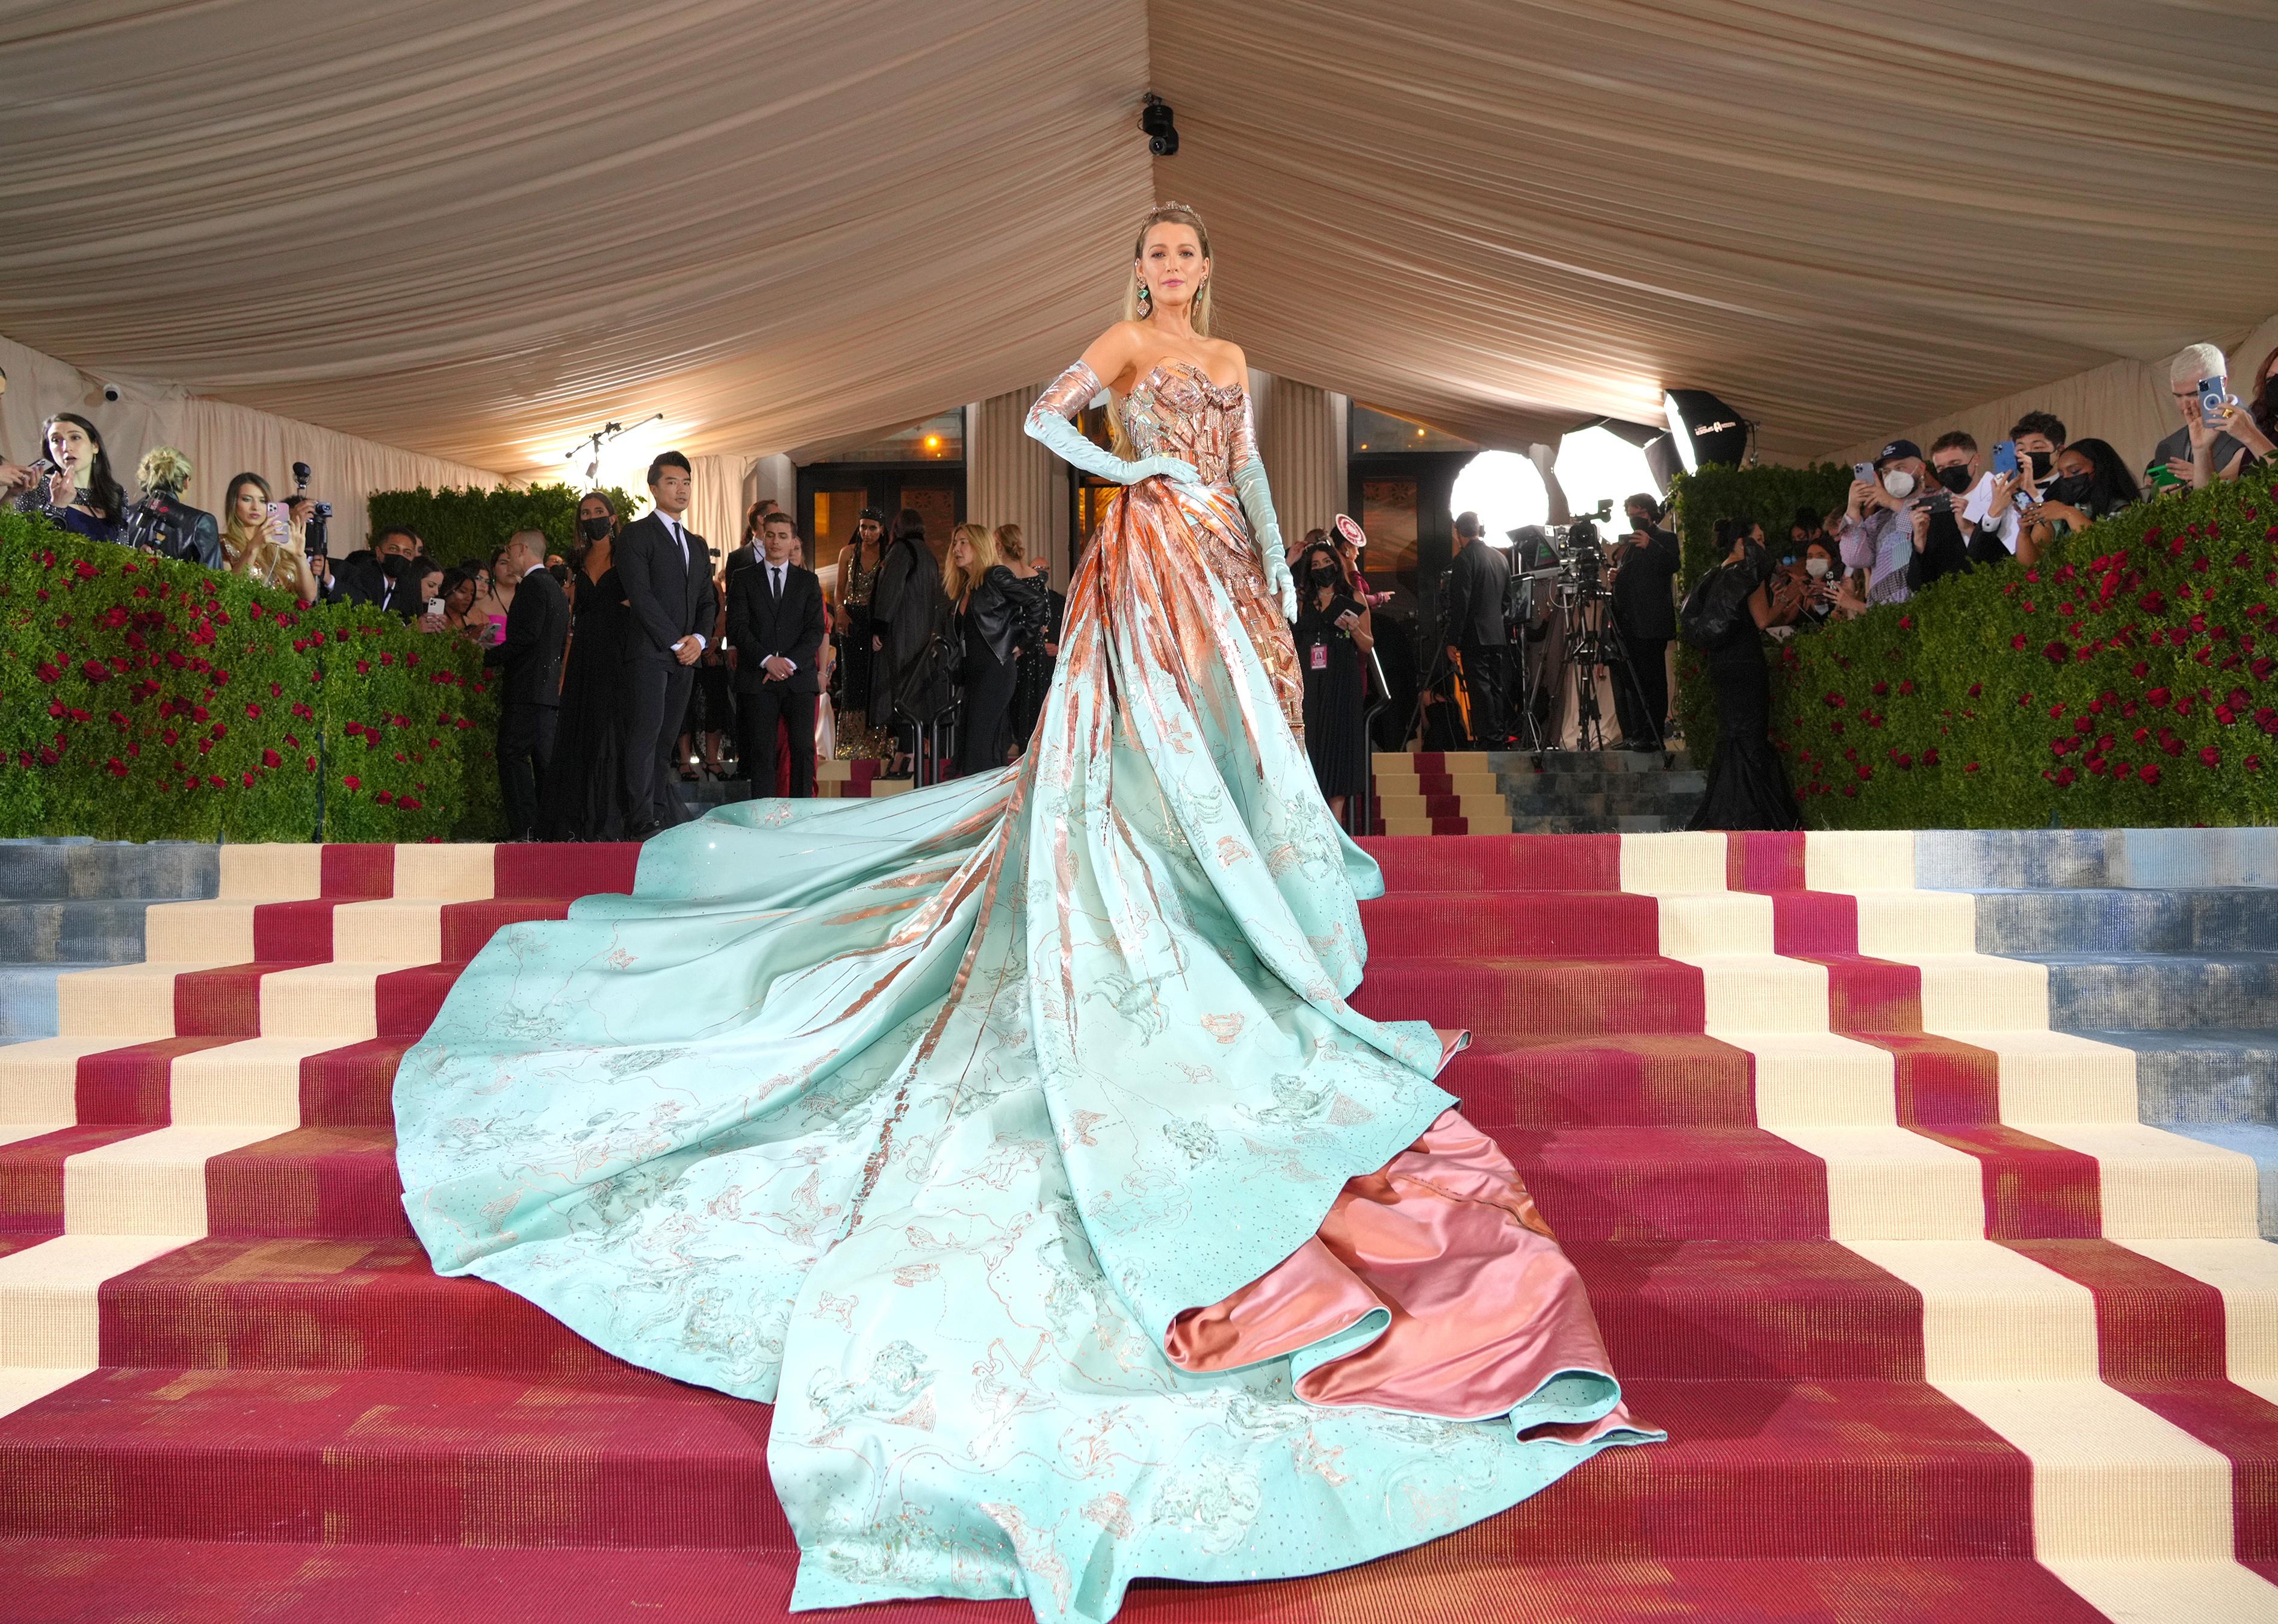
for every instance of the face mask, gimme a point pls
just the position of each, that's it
(1816, 568)
(1899, 482)
(2041, 461)
(1323, 579)
(2072, 490)
(1955, 478)
(592, 529)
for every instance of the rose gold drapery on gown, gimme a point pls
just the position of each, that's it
(1482, 1310)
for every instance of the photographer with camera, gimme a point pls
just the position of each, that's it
(1642, 566)
(1333, 635)
(1479, 579)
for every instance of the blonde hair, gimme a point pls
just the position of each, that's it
(957, 582)
(2198, 361)
(1010, 544)
(163, 468)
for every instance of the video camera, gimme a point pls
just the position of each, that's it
(313, 531)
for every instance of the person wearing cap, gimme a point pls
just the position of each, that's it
(1877, 532)
(858, 575)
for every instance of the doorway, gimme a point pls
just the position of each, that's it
(832, 496)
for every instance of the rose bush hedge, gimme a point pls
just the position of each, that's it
(142, 699)
(2128, 680)
(466, 525)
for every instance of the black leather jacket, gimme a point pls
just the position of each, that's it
(172, 528)
(991, 610)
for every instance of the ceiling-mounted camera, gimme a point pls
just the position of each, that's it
(1162, 134)
(110, 392)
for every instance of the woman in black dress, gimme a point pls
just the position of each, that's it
(1747, 786)
(858, 575)
(983, 589)
(1333, 635)
(906, 689)
(1032, 630)
(582, 796)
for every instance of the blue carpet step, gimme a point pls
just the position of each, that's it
(2087, 920)
(2258, 1140)
(88, 930)
(61, 870)
(28, 999)
(1974, 860)
(2201, 1075)
(2160, 992)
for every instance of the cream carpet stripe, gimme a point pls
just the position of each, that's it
(122, 1004)
(334, 1001)
(273, 873)
(47, 1295)
(2145, 1507)
(253, 1084)
(391, 931)
(153, 1184)
(215, 932)
(446, 873)
(39, 1079)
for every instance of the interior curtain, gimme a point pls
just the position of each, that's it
(1504, 217)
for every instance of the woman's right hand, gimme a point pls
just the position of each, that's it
(63, 490)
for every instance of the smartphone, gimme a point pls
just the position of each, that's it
(1863, 472)
(2161, 475)
(434, 608)
(2214, 397)
(2005, 459)
(1941, 500)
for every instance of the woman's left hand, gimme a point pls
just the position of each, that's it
(62, 489)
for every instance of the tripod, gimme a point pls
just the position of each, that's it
(1593, 640)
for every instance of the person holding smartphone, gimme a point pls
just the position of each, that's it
(1333, 635)
(2203, 450)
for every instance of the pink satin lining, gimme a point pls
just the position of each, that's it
(1484, 1307)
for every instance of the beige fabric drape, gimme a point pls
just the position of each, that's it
(1302, 440)
(1010, 479)
(482, 230)
(716, 510)
(222, 441)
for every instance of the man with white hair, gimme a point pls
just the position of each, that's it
(2197, 453)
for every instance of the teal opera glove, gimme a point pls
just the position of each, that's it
(1258, 507)
(1050, 422)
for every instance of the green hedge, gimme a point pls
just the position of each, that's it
(141, 699)
(2128, 680)
(468, 526)
(1768, 495)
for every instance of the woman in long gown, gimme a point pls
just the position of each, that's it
(982, 587)
(1747, 787)
(581, 797)
(1014, 1136)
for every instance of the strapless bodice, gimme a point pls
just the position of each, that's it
(1177, 411)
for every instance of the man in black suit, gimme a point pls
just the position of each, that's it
(1645, 612)
(774, 625)
(667, 574)
(1479, 579)
(750, 552)
(530, 695)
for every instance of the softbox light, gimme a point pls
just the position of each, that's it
(1705, 429)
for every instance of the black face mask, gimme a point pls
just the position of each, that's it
(2041, 461)
(592, 529)
(1955, 478)
(1322, 578)
(2073, 490)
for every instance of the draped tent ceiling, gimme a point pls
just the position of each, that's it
(476, 229)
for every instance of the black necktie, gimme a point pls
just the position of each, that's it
(774, 579)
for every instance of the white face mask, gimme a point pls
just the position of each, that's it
(1815, 568)
(1899, 482)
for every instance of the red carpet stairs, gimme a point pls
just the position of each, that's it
(1938, 1329)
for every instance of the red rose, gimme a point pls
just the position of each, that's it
(2209, 756)
(2149, 773)
(353, 782)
